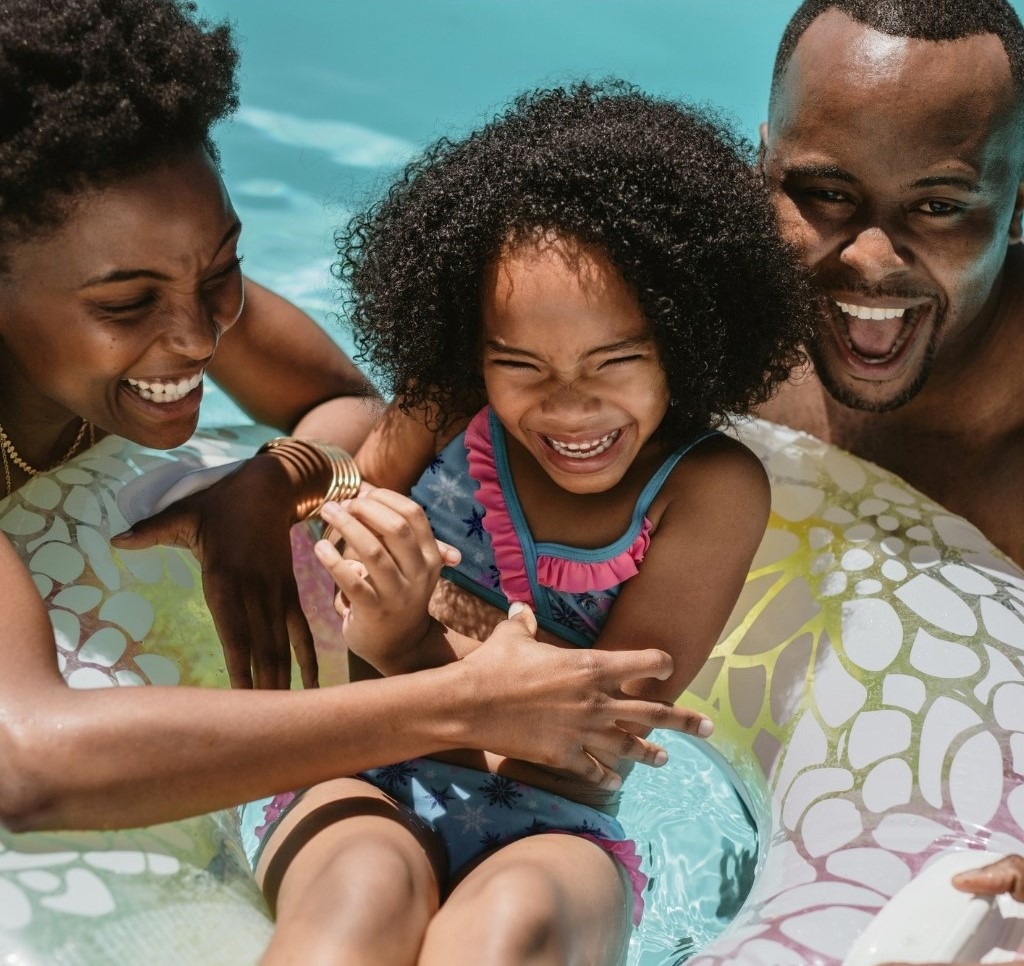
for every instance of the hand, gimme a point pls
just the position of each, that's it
(1006, 875)
(564, 708)
(390, 569)
(238, 530)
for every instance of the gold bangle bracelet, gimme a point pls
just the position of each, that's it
(307, 457)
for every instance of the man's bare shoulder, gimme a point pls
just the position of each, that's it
(800, 403)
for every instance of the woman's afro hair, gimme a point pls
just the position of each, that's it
(665, 190)
(92, 91)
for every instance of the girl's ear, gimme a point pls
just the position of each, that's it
(1016, 226)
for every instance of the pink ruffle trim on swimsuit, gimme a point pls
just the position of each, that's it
(572, 576)
(577, 576)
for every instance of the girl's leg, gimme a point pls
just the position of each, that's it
(352, 877)
(551, 899)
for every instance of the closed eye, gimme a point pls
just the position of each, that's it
(233, 266)
(621, 360)
(125, 308)
(514, 364)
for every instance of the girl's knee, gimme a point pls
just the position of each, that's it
(515, 915)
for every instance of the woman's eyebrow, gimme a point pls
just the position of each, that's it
(129, 274)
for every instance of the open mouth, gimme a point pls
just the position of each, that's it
(164, 391)
(876, 334)
(583, 449)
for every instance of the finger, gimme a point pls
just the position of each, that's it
(351, 580)
(635, 714)
(452, 556)
(176, 526)
(616, 747)
(402, 526)
(1006, 875)
(367, 546)
(270, 646)
(630, 665)
(230, 623)
(588, 769)
(302, 644)
(522, 617)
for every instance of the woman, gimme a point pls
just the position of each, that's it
(120, 290)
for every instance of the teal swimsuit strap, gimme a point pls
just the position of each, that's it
(530, 549)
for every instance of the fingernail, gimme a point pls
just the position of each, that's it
(706, 727)
(345, 504)
(613, 782)
(660, 758)
(516, 607)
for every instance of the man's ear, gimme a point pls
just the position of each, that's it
(762, 147)
(1016, 226)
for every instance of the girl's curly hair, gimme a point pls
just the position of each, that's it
(666, 190)
(92, 91)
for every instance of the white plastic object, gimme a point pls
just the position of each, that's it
(929, 921)
(158, 488)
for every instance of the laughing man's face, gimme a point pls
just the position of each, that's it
(895, 167)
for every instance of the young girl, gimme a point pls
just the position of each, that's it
(567, 304)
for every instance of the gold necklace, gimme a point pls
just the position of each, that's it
(11, 455)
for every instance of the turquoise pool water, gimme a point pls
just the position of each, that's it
(336, 96)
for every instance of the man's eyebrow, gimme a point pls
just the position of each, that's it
(947, 181)
(129, 274)
(829, 171)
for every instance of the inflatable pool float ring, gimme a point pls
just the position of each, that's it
(868, 693)
(175, 893)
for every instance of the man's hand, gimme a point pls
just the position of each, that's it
(239, 531)
(1004, 876)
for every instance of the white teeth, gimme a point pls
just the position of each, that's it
(586, 449)
(867, 312)
(165, 392)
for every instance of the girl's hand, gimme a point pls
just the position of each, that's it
(239, 531)
(564, 708)
(391, 565)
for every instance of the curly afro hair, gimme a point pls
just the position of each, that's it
(92, 91)
(665, 190)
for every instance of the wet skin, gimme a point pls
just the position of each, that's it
(106, 298)
(895, 166)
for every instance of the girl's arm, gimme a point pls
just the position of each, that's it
(123, 757)
(712, 514)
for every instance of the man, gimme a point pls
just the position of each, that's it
(894, 148)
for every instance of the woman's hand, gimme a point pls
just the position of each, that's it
(239, 531)
(386, 577)
(564, 708)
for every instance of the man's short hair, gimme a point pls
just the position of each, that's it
(934, 20)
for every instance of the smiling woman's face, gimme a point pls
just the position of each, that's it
(115, 316)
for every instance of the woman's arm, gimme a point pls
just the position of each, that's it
(285, 371)
(123, 757)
